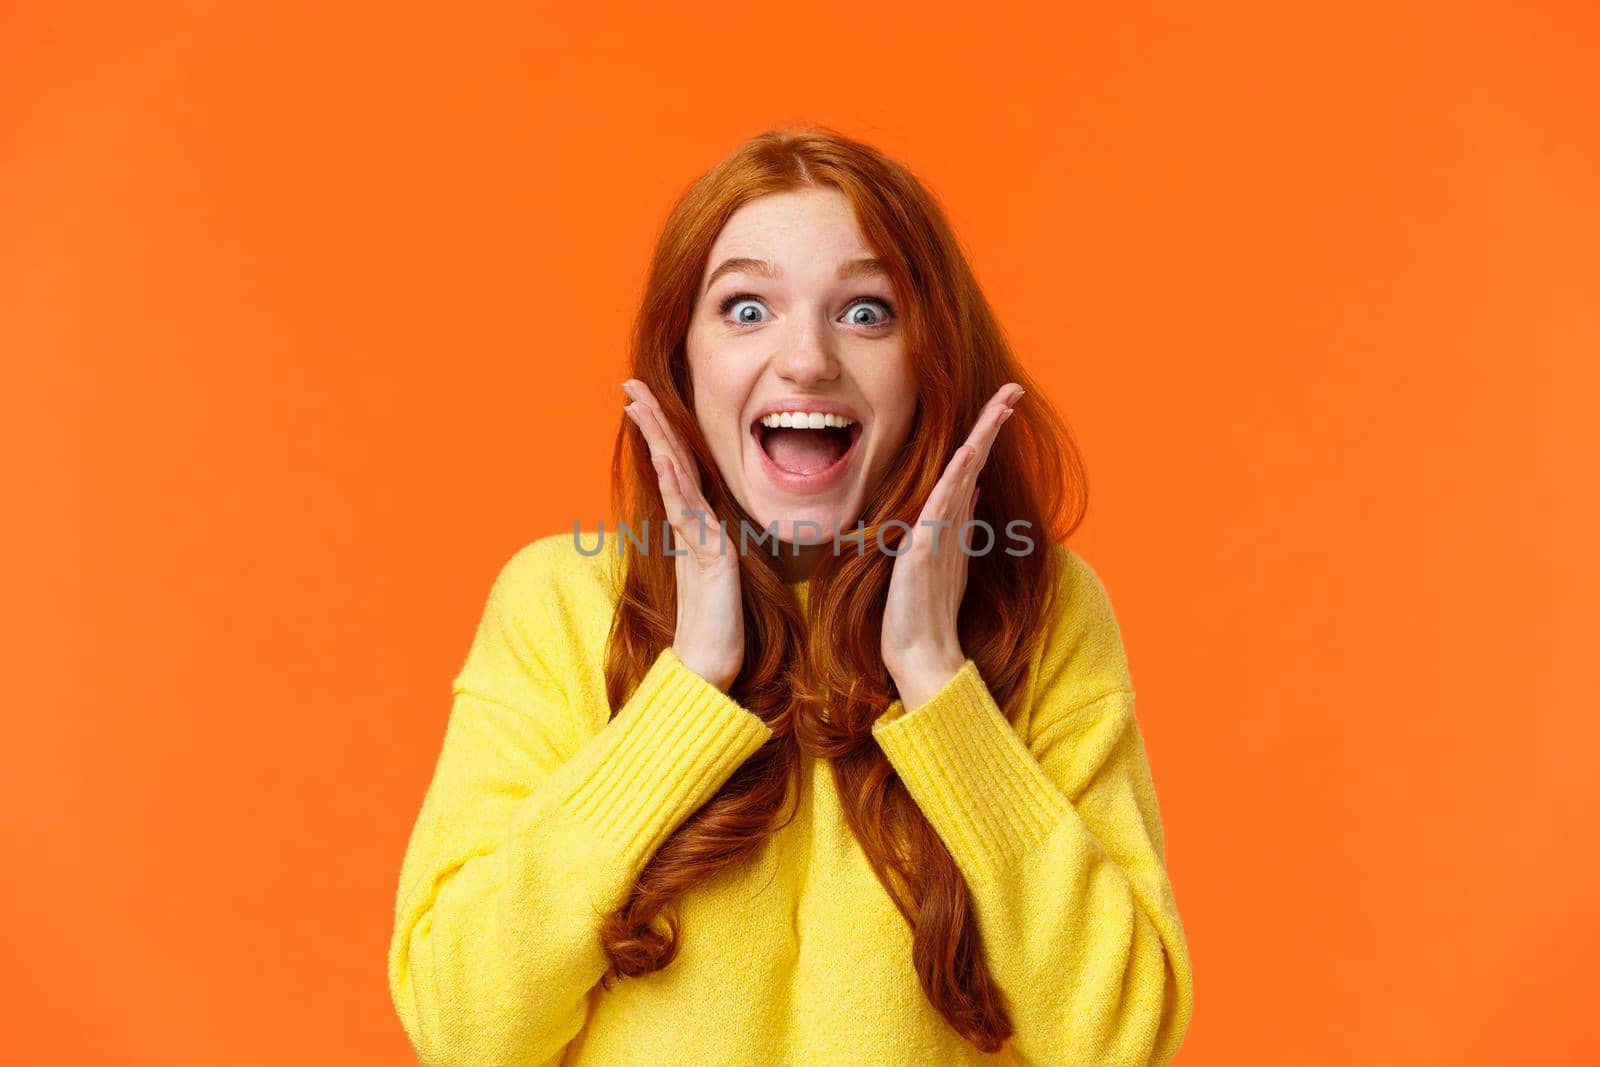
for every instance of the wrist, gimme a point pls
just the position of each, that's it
(919, 679)
(718, 675)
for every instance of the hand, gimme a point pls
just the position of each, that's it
(920, 647)
(710, 622)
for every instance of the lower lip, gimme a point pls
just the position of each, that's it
(817, 482)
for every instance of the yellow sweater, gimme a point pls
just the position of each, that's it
(542, 810)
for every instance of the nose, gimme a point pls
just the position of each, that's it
(806, 358)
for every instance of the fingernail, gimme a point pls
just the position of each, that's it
(1005, 415)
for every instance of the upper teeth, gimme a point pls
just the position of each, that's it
(814, 420)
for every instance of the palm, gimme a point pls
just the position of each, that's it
(709, 633)
(919, 643)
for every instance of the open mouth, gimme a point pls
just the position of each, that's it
(806, 457)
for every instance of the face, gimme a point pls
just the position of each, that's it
(791, 330)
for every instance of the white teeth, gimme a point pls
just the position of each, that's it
(814, 420)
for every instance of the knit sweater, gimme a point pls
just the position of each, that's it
(543, 808)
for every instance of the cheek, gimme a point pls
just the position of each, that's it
(706, 374)
(698, 356)
(895, 390)
(719, 396)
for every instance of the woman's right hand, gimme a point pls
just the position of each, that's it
(710, 622)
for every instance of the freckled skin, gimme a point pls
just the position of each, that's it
(808, 336)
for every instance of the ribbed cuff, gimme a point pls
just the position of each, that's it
(677, 739)
(970, 773)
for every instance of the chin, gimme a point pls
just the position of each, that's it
(813, 524)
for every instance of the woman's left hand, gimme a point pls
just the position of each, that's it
(920, 647)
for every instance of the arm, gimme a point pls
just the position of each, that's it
(530, 831)
(1059, 840)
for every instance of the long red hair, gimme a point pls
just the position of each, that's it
(822, 695)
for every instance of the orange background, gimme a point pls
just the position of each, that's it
(312, 314)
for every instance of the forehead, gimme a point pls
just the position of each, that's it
(801, 234)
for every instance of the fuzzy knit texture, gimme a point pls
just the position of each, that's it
(543, 808)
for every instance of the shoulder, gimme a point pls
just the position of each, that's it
(549, 606)
(566, 566)
(1081, 657)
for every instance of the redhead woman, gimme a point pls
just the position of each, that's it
(826, 753)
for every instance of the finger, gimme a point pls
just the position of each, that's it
(997, 411)
(686, 498)
(641, 394)
(961, 570)
(644, 401)
(994, 413)
(659, 441)
(950, 494)
(946, 499)
(655, 438)
(682, 524)
(968, 494)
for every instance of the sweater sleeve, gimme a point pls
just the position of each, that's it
(530, 831)
(1059, 841)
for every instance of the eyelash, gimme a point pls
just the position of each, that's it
(727, 306)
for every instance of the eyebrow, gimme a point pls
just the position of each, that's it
(855, 268)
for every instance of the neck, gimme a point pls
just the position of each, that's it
(798, 568)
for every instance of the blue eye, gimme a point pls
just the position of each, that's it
(888, 312)
(739, 298)
(742, 318)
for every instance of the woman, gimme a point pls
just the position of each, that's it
(805, 781)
